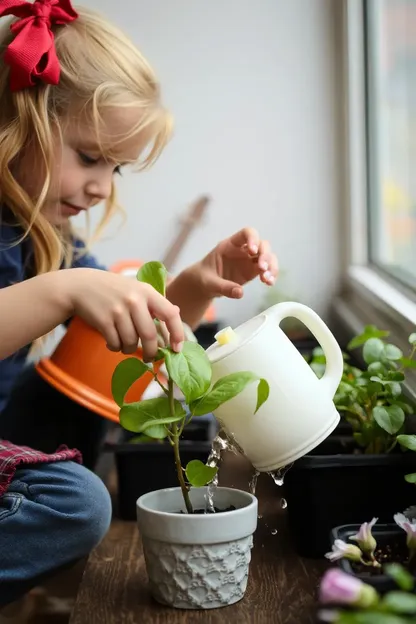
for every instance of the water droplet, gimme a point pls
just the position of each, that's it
(259, 516)
(284, 503)
(253, 483)
(274, 531)
(278, 475)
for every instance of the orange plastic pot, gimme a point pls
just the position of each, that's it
(81, 367)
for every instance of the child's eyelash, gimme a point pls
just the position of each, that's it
(89, 161)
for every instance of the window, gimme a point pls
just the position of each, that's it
(390, 63)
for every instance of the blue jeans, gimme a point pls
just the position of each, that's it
(51, 516)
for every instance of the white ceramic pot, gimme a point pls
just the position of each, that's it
(197, 561)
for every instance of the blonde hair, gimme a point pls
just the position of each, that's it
(100, 68)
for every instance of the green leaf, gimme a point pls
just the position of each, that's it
(400, 576)
(376, 367)
(408, 409)
(378, 380)
(263, 391)
(223, 390)
(370, 331)
(199, 474)
(396, 376)
(150, 416)
(407, 441)
(408, 363)
(410, 478)
(394, 388)
(391, 352)
(155, 274)
(143, 439)
(400, 602)
(373, 350)
(412, 339)
(390, 418)
(125, 374)
(190, 370)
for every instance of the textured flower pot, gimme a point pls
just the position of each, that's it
(197, 561)
(387, 536)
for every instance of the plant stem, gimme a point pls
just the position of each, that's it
(175, 444)
(160, 384)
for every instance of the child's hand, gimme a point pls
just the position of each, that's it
(122, 310)
(236, 261)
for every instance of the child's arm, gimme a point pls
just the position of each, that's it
(121, 309)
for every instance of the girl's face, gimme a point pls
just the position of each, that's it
(82, 176)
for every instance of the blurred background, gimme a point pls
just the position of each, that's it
(255, 91)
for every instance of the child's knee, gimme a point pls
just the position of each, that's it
(78, 503)
(91, 508)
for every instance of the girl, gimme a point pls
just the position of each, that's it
(77, 103)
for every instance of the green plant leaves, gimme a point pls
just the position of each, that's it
(190, 370)
(227, 388)
(373, 350)
(400, 576)
(199, 474)
(150, 417)
(125, 374)
(412, 339)
(155, 274)
(390, 418)
(407, 441)
(400, 602)
(391, 352)
(370, 331)
(263, 391)
(408, 363)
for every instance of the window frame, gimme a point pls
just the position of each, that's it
(368, 295)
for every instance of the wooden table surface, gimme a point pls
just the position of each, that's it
(282, 587)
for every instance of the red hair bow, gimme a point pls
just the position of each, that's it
(31, 55)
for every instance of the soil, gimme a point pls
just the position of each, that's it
(208, 511)
(394, 552)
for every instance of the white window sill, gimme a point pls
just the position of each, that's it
(379, 287)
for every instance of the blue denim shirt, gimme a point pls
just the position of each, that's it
(15, 263)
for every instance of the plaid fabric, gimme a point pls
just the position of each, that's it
(12, 456)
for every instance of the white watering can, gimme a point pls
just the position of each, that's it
(299, 413)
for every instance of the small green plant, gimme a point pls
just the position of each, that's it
(165, 417)
(372, 400)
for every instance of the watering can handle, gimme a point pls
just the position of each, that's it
(333, 354)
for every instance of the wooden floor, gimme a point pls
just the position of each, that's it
(282, 587)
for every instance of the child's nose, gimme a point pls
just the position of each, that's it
(101, 187)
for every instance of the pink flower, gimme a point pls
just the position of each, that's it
(410, 527)
(342, 550)
(340, 588)
(365, 538)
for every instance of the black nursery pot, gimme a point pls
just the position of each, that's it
(332, 487)
(386, 535)
(146, 467)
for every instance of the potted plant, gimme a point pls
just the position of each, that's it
(348, 600)
(365, 551)
(196, 537)
(350, 477)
